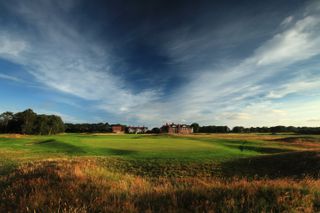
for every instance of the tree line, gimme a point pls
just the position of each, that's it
(240, 129)
(87, 127)
(28, 122)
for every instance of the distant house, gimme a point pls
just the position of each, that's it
(176, 129)
(117, 128)
(137, 129)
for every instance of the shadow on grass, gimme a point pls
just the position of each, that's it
(45, 141)
(62, 147)
(118, 152)
(152, 136)
(244, 145)
(58, 146)
(289, 164)
(260, 149)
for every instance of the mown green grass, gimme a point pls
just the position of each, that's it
(140, 146)
(149, 155)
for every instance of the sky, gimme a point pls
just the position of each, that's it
(227, 62)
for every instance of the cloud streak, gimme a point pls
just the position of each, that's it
(244, 93)
(9, 77)
(60, 57)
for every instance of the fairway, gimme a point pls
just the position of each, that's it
(149, 154)
(166, 147)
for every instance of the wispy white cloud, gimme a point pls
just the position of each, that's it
(237, 116)
(9, 77)
(287, 21)
(58, 55)
(11, 47)
(295, 87)
(298, 43)
(244, 94)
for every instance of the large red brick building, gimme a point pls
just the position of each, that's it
(176, 129)
(118, 129)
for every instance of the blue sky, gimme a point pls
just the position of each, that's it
(248, 63)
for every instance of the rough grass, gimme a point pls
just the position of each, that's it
(137, 173)
(86, 186)
(299, 139)
(290, 165)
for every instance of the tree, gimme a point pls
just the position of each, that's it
(27, 119)
(238, 129)
(155, 130)
(86, 127)
(5, 118)
(214, 129)
(22, 122)
(276, 129)
(195, 127)
(41, 126)
(48, 125)
(28, 122)
(55, 124)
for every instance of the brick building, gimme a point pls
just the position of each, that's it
(176, 129)
(117, 128)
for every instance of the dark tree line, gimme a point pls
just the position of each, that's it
(277, 129)
(89, 128)
(28, 122)
(213, 129)
(209, 129)
(154, 130)
(240, 129)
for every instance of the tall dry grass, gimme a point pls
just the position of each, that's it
(86, 186)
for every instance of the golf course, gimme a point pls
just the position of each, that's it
(141, 173)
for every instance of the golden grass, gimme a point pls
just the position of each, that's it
(13, 136)
(84, 185)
